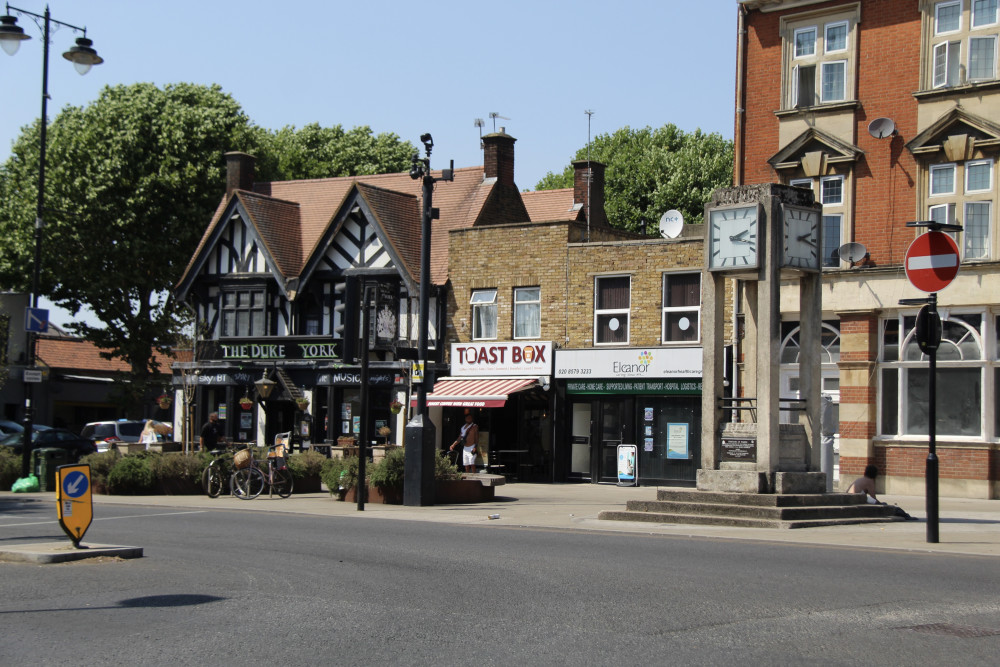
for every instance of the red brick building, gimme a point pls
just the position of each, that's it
(886, 109)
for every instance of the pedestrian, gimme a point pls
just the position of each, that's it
(148, 435)
(468, 437)
(210, 433)
(866, 485)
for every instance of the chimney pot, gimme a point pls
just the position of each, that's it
(498, 157)
(239, 172)
(595, 170)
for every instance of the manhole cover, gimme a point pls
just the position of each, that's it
(952, 630)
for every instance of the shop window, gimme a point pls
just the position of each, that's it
(612, 302)
(962, 369)
(527, 312)
(243, 313)
(681, 307)
(484, 314)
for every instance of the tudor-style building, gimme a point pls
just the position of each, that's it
(886, 110)
(274, 287)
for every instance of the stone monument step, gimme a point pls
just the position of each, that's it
(764, 512)
(760, 499)
(734, 521)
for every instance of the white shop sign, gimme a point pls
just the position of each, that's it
(501, 358)
(649, 362)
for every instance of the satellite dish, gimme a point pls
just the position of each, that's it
(852, 252)
(671, 224)
(881, 128)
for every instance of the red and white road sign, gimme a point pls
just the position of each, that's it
(932, 261)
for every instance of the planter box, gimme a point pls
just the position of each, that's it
(308, 484)
(390, 496)
(458, 491)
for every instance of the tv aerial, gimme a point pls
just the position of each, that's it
(852, 252)
(479, 123)
(494, 115)
(880, 128)
(671, 224)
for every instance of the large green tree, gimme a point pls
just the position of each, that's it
(650, 171)
(132, 181)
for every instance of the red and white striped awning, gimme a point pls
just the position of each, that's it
(476, 393)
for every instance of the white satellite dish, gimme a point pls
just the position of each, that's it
(881, 128)
(671, 224)
(852, 252)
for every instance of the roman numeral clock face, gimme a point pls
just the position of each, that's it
(732, 238)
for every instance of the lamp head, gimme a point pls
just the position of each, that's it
(11, 34)
(83, 56)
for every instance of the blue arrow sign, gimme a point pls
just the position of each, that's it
(75, 484)
(36, 319)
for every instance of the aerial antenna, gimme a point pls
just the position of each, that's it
(494, 115)
(590, 173)
(881, 128)
(479, 123)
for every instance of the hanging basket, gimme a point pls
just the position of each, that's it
(395, 407)
(163, 401)
(303, 403)
(246, 403)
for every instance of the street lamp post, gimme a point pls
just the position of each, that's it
(83, 56)
(418, 486)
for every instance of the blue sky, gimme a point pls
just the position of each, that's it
(407, 67)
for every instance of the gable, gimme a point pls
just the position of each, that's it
(812, 151)
(957, 134)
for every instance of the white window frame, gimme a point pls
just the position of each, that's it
(823, 189)
(847, 36)
(483, 299)
(604, 312)
(967, 238)
(972, 17)
(949, 216)
(937, 17)
(520, 303)
(795, 42)
(801, 183)
(974, 163)
(827, 260)
(941, 167)
(822, 84)
(694, 310)
(993, 72)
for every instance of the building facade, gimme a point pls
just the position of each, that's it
(886, 110)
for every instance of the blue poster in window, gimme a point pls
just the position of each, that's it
(627, 475)
(677, 441)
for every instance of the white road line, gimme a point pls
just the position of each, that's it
(106, 518)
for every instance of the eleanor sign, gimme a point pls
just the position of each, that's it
(501, 358)
(649, 362)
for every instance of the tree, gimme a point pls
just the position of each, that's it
(131, 182)
(652, 171)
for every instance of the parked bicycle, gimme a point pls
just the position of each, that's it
(216, 477)
(251, 475)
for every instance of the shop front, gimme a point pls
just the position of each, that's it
(506, 385)
(649, 398)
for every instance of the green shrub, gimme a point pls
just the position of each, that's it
(133, 475)
(389, 471)
(306, 464)
(10, 468)
(176, 472)
(340, 473)
(444, 469)
(100, 466)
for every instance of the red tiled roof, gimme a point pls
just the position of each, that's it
(551, 205)
(82, 355)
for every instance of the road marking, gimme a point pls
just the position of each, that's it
(107, 518)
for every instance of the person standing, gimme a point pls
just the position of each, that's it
(210, 433)
(468, 438)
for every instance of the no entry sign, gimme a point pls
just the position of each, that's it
(932, 261)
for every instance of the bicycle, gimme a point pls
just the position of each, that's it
(248, 480)
(218, 472)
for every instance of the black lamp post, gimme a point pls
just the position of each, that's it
(418, 486)
(83, 56)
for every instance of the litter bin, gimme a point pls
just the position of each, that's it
(46, 460)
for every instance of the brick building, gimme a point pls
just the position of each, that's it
(886, 110)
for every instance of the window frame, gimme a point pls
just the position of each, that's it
(972, 17)
(802, 69)
(993, 73)
(605, 312)
(488, 305)
(950, 166)
(847, 36)
(237, 308)
(937, 16)
(519, 304)
(668, 310)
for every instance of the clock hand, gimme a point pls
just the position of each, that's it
(739, 237)
(805, 239)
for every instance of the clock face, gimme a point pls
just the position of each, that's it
(732, 238)
(801, 246)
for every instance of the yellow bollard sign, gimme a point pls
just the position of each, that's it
(75, 504)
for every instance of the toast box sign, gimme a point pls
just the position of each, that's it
(75, 507)
(932, 261)
(509, 358)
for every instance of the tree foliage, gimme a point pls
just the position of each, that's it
(650, 171)
(132, 181)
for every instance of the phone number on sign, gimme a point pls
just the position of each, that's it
(575, 371)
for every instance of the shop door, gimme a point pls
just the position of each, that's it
(616, 427)
(580, 439)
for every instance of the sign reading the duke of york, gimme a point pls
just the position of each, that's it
(264, 349)
(496, 358)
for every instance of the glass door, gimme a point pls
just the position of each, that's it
(580, 450)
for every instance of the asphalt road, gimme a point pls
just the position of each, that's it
(217, 586)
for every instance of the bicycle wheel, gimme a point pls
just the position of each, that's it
(212, 481)
(247, 483)
(283, 483)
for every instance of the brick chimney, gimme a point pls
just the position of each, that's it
(596, 190)
(498, 157)
(239, 172)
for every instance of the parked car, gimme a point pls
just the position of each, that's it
(102, 434)
(44, 436)
(7, 427)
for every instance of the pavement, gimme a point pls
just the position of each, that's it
(966, 526)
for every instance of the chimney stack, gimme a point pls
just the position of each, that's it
(239, 172)
(594, 193)
(498, 157)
